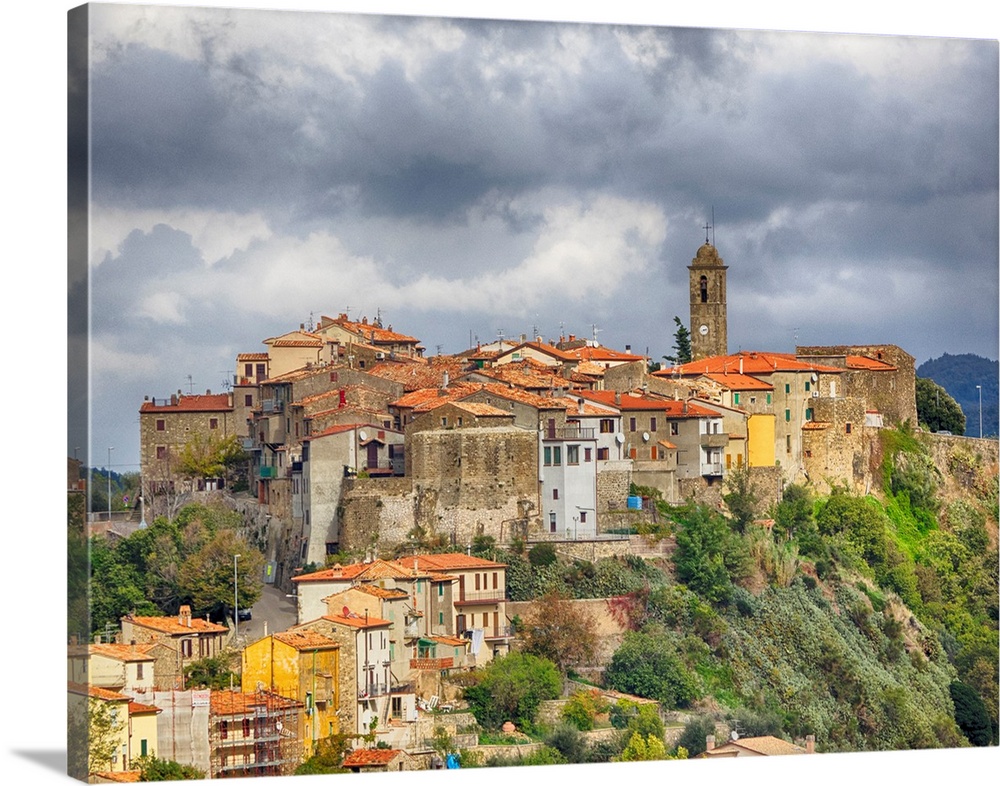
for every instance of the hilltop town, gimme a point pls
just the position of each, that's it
(386, 490)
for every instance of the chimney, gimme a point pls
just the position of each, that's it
(173, 399)
(184, 616)
(710, 743)
(810, 743)
(618, 399)
(444, 379)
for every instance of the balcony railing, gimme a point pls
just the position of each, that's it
(484, 597)
(372, 689)
(569, 432)
(711, 470)
(432, 664)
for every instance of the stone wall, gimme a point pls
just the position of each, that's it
(613, 481)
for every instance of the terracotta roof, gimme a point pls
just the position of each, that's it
(521, 396)
(585, 408)
(603, 355)
(358, 621)
(375, 591)
(385, 569)
(869, 364)
(123, 652)
(297, 338)
(369, 331)
(371, 757)
(752, 363)
(97, 693)
(766, 746)
(666, 444)
(210, 402)
(175, 627)
(135, 708)
(336, 573)
(545, 349)
(482, 410)
(446, 562)
(305, 639)
(637, 402)
(452, 641)
(231, 702)
(739, 381)
(245, 356)
(815, 425)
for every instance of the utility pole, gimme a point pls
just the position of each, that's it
(236, 597)
(980, 389)
(109, 480)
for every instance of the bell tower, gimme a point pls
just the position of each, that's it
(707, 277)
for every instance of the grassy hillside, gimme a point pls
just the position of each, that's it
(870, 622)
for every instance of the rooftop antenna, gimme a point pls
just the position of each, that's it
(310, 323)
(439, 347)
(713, 225)
(190, 380)
(226, 384)
(378, 317)
(596, 331)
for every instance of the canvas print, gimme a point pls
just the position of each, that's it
(454, 394)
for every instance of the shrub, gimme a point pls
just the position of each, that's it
(583, 707)
(542, 554)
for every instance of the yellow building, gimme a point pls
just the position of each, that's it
(302, 665)
(760, 440)
(133, 727)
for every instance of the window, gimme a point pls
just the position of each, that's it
(753, 399)
(729, 460)
(246, 727)
(736, 398)
(809, 413)
(652, 452)
(144, 748)
(631, 424)
(847, 428)
(587, 454)
(186, 648)
(494, 580)
(788, 443)
(444, 421)
(440, 590)
(248, 400)
(261, 371)
(807, 387)
(602, 454)
(788, 388)
(674, 429)
(583, 517)
(547, 454)
(555, 493)
(788, 415)
(703, 288)
(477, 581)
(557, 455)
(213, 423)
(552, 521)
(607, 426)
(224, 729)
(138, 671)
(652, 424)
(248, 370)
(768, 398)
(440, 618)
(161, 425)
(161, 451)
(572, 454)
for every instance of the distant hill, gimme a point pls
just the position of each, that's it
(959, 375)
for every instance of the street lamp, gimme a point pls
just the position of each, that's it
(980, 389)
(109, 483)
(236, 597)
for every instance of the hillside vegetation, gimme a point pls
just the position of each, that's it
(870, 622)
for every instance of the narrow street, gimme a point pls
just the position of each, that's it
(272, 613)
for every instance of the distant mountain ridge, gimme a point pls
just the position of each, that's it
(959, 375)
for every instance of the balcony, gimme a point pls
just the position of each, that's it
(432, 664)
(569, 432)
(711, 470)
(490, 597)
(373, 689)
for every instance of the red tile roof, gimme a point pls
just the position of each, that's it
(122, 652)
(245, 356)
(358, 621)
(97, 693)
(447, 562)
(135, 708)
(231, 702)
(739, 381)
(297, 338)
(368, 331)
(868, 364)
(637, 402)
(371, 757)
(752, 363)
(336, 573)
(211, 402)
(305, 639)
(175, 627)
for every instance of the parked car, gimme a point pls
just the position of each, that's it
(244, 615)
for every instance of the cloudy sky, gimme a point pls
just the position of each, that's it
(253, 170)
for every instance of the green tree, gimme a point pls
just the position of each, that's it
(210, 457)
(793, 518)
(709, 555)
(937, 410)
(104, 726)
(215, 672)
(542, 555)
(511, 688)
(153, 769)
(569, 741)
(648, 665)
(682, 344)
(328, 756)
(741, 498)
(648, 748)
(695, 735)
(971, 714)
(582, 709)
(207, 577)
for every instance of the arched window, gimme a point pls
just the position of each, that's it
(703, 284)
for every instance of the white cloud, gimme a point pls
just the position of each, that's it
(217, 234)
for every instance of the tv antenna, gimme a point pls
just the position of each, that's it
(190, 380)
(226, 384)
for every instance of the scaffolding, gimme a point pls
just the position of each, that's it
(254, 734)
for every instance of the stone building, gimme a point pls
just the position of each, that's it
(707, 288)
(183, 639)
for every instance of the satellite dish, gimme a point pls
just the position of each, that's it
(814, 377)
(734, 735)
(363, 434)
(620, 438)
(645, 436)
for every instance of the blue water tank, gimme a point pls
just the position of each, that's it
(635, 503)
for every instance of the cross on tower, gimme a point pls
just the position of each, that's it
(706, 228)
